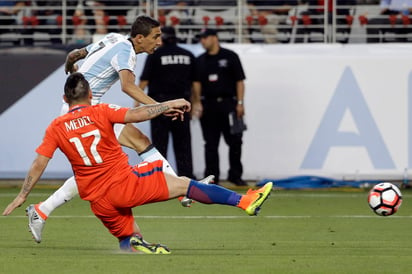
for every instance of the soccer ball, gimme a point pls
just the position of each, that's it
(385, 199)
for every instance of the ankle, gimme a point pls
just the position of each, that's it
(41, 213)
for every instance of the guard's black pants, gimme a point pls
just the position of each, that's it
(214, 123)
(161, 127)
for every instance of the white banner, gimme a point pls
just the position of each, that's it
(331, 110)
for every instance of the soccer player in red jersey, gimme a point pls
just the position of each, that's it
(103, 176)
(111, 59)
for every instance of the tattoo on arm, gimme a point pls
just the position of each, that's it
(27, 185)
(157, 109)
(76, 55)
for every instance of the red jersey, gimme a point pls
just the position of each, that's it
(85, 135)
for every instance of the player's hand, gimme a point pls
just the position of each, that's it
(181, 104)
(17, 202)
(177, 108)
(71, 68)
(179, 116)
(175, 114)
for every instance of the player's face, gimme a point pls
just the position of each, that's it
(152, 41)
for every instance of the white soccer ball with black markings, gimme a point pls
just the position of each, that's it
(385, 199)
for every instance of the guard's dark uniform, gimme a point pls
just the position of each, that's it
(218, 75)
(170, 71)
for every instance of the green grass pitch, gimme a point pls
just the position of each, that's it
(296, 232)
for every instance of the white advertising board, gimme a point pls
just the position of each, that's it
(331, 110)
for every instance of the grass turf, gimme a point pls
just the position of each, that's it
(296, 232)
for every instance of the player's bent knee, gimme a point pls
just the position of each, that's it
(177, 185)
(133, 138)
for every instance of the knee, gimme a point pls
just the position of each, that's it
(140, 142)
(133, 138)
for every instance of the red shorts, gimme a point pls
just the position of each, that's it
(146, 184)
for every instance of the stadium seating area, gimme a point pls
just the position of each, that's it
(70, 22)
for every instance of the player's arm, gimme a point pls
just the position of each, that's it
(36, 170)
(175, 108)
(71, 59)
(127, 81)
(142, 85)
(197, 109)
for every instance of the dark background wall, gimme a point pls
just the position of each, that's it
(22, 69)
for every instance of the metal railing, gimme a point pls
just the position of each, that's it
(68, 22)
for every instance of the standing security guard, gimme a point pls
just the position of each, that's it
(168, 73)
(218, 92)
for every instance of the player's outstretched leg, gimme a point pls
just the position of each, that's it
(135, 243)
(151, 154)
(251, 202)
(186, 202)
(128, 135)
(39, 213)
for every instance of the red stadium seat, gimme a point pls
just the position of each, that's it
(249, 20)
(34, 21)
(121, 20)
(392, 19)
(405, 20)
(349, 20)
(76, 20)
(293, 19)
(26, 21)
(262, 20)
(59, 20)
(162, 20)
(106, 20)
(219, 20)
(206, 20)
(175, 21)
(363, 20)
(306, 20)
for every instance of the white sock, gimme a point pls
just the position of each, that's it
(152, 155)
(64, 194)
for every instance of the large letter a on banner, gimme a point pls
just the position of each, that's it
(347, 98)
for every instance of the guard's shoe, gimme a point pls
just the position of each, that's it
(254, 199)
(238, 182)
(136, 243)
(187, 202)
(36, 223)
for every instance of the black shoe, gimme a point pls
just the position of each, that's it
(238, 182)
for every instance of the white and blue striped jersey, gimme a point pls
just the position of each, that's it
(103, 62)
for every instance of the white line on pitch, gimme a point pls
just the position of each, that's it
(232, 217)
(274, 195)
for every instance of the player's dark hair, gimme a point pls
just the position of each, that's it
(76, 87)
(143, 25)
